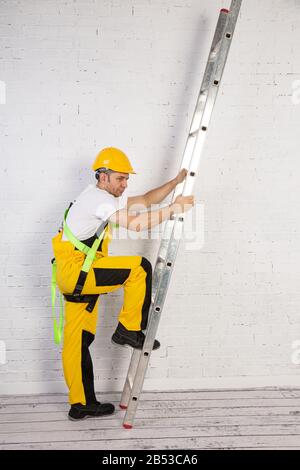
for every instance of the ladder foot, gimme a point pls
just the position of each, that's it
(127, 426)
(123, 407)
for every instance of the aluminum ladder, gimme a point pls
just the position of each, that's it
(174, 227)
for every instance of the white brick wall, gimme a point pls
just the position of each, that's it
(84, 74)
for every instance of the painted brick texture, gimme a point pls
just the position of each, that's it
(82, 75)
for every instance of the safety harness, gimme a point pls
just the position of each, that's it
(76, 296)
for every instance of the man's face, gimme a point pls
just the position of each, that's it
(116, 183)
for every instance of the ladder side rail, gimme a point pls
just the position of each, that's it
(211, 99)
(156, 310)
(203, 96)
(170, 243)
(191, 140)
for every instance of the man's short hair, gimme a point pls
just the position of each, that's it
(107, 171)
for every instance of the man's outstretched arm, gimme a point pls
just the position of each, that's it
(149, 219)
(157, 195)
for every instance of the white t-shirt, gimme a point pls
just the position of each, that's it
(92, 207)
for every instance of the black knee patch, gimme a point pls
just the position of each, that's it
(87, 338)
(146, 265)
(111, 276)
(87, 367)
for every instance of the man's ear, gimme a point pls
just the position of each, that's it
(102, 178)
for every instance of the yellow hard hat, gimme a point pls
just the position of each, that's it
(113, 159)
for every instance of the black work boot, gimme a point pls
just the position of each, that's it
(93, 410)
(135, 339)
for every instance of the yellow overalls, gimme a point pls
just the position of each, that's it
(107, 273)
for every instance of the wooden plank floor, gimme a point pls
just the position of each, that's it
(236, 419)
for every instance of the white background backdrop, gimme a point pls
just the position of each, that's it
(82, 75)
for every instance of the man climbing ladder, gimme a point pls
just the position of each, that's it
(83, 270)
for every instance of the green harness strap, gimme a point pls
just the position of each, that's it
(90, 253)
(57, 329)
